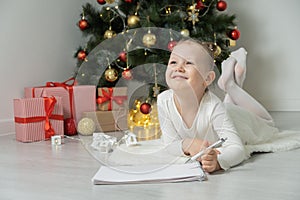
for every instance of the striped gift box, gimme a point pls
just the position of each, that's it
(38, 119)
(83, 98)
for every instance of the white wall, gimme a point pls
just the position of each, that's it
(270, 32)
(38, 39)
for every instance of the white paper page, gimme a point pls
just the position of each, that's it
(149, 173)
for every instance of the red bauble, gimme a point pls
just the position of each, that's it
(145, 108)
(234, 34)
(128, 1)
(81, 55)
(70, 127)
(221, 5)
(123, 56)
(171, 45)
(199, 5)
(126, 74)
(83, 24)
(101, 2)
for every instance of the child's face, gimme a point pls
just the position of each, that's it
(188, 66)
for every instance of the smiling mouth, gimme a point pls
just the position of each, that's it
(179, 77)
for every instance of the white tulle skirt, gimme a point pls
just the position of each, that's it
(259, 135)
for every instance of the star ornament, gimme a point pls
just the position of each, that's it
(193, 14)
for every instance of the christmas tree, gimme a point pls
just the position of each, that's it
(124, 36)
(201, 19)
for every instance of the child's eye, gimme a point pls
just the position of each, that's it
(189, 63)
(172, 62)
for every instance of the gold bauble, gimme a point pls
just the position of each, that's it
(231, 42)
(109, 34)
(185, 32)
(111, 75)
(217, 51)
(133, 21)
(110, 1)
(149, 39)
(86, 126)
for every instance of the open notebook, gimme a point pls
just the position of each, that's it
(149, 174)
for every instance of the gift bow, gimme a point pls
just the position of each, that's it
(68, 87)
(70, 127)
(49, 103)
(108, 96)
(62, 84)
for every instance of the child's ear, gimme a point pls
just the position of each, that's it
(210, 78)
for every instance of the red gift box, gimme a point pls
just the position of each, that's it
(76, 99)
(112, 98)
(38, 119)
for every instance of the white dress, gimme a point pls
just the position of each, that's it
(245, 132)
(214, 120)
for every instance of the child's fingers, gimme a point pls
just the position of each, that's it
(208, 166)
(210, 161)
(206, 163)
(210, 153)
(213, 152)
(207, 157)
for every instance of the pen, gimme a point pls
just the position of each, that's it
(214, 145)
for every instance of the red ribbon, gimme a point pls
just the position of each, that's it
(63, 84)
(108, 96)
(68, 87)
(49, 103)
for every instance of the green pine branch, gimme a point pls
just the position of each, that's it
(212, 26)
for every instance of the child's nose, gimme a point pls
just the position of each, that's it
(179, 67)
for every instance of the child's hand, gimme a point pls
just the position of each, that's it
(209, 161)
(193, 146)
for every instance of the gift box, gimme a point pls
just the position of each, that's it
(108, 121)
(76, 99)
(38, 119)
(112, 98)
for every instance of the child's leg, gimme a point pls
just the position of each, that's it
(227, 99)
(240, 68)
(236, 94)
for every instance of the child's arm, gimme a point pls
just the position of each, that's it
(170, 136)
(232, 151)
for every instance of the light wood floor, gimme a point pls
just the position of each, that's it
(39, 171)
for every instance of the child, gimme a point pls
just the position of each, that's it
(192, 117)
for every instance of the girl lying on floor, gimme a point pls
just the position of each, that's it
(192, 117)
